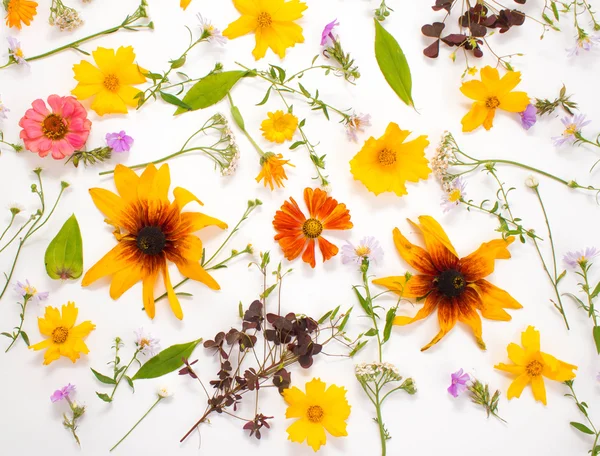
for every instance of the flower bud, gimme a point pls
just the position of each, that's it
(532, 181)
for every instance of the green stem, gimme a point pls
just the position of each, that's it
(553, 277)
(237, 116)
(382, 435)
(16, 335)
(136, 424)
(370, 303)
(586, 289)
(123, 373)
(12, 219)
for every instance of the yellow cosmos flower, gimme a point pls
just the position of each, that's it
(531, 365)
(272, 170)
(64, 338)
(387, 163)
(111, 83)
(318, 409)
(492, 93)
(272, 22)
(279, 126)
(150, 230)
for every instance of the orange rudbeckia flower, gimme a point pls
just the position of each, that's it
(150, 231)
(455, 286)
(297, 234)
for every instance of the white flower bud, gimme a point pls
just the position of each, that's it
(532, 181)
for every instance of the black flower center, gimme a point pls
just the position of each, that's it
(151, 240)
(451, 283)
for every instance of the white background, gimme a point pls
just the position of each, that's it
(429, 423)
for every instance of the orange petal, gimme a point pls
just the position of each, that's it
(115, 260)
(414, 255)
(148, 293)
(416, 287)
(292, 245)
(488, 123)
(430, 304)
(494, 300)
(480, 263)
(309, 254)
(110, 204)
(469, 301)
(437, 243)
(184, 197)
(173, 299)
(194, 271)
(328, 250)
(447, 316)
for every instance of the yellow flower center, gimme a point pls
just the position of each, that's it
(31, 291)
(264, 20)
(60, 335)
(492, 103)
(280, 124)
(19, 53)
(387, 157)
(54, 127)
(534, 368)
(312, 228)
(144, 343)
(571, 130)
(362, 251)
(454, 195)
(151, 240)
(111, 83)
(315, 414)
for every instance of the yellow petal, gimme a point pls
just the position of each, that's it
(298, 431)
(430, 304)
(491, 78)
(508, 82)
(194, 271)
(248, 7)
(516, 354)
(511, 368)
(41, 345)
(517, 386)
(416, 287)
(110, 263)
(335, 426)
(316, 436)
(480, 263)
(514, 102)
(148, 294)
(296, 400)
(488, 123)
(530, 339)
(126, 181)
(264, 40)
(110, 204)
(146, 182)
(124, 280)
(82, 330)
(184, 3)
(538, 388)
(475, 117)
(198, 221)
(105, 59)
(108, 103)
(240, 27)
(85, 91)
(475, 90)
(441, 250)
(86, 73)
(183, 197)
(289, 11)
(69, 315)
(52, 354)
(127, 94)
(173, 299)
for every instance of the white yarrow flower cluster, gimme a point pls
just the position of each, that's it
(374, 371)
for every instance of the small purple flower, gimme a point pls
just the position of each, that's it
(119, 142)
(146, 344)
(574, 259)
(528, 117)
(26, 289)
(459, 383)
(62, 393)
(15, 51)
(454, 194)
(355, 124)
(584, 42)
(573, 126)
(368, 248)
(327, 33)
(209, 31)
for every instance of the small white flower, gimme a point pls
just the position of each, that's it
(15, 51)
(368, 248)
(532, 181)
(209, 31)
(3, 110)
(355, 124)
(164, 392)
(146, 344)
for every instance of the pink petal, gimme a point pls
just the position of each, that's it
(61, 149)
(40, 107)
(76, 140)
(33, 115)
(56, 103)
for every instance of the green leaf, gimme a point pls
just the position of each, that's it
(266, 98)
(64, 255)
(237, 116)
(6, 334)
(363, 302)
(555, 10)
(393, 64)
(297, 144)
(596, 334)
(389, 322)
(25, 337)
(130, 382)
(321, 320)
(172, 99)
(582, 428)
(596, 291)
(178, 63)
(561, 276)
(103, 378)
(345, 320)
(268, 291)
(358, 347)
(166, 361)
(371, 332)
(105, 397)
(211, 89)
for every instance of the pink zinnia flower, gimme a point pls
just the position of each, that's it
(60, 131)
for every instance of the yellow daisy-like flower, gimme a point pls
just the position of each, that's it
(64, 338)
(279, 127)
(492, 93)
(272, 22)
(387, 163)
(20, 12)
(531, 365)
(150, 231)
(111, 82)
(318, 409)
(272, 170)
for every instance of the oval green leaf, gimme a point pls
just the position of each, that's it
(582, 428)
(393, 64)
(166, 361)
(103, 378)
(210, 90)
(64, 255)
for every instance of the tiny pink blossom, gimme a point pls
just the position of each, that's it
(327, 33)
(62, 393)
(59, 131)
(459, 383)
(119, 142)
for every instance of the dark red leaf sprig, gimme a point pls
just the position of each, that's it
(248, 364)
(474, 25)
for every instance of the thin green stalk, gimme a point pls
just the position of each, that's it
(382, 435)
(373, 317)
(237, 116)
(124, 372)
(16, 335)
(160, 398)
(586, 289)
(12, 219)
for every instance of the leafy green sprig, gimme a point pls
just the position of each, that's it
(546, 106)
(480, 395)
(588, 429)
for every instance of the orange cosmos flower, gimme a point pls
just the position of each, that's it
(456, 286)
(20, 12)
(150, 230)
(297, 235)
(272, 169)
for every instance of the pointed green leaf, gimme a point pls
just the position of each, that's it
(64, 255)
(371, 332)
(393, 64)
(25, 337)
(582, 428)
(363, 302)
(105, 397)
(389, 322)
(130, 382)
(103, 378)
(172, 99)
(211, 89)
(596, 291)
(596, 334)
(166, 361)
